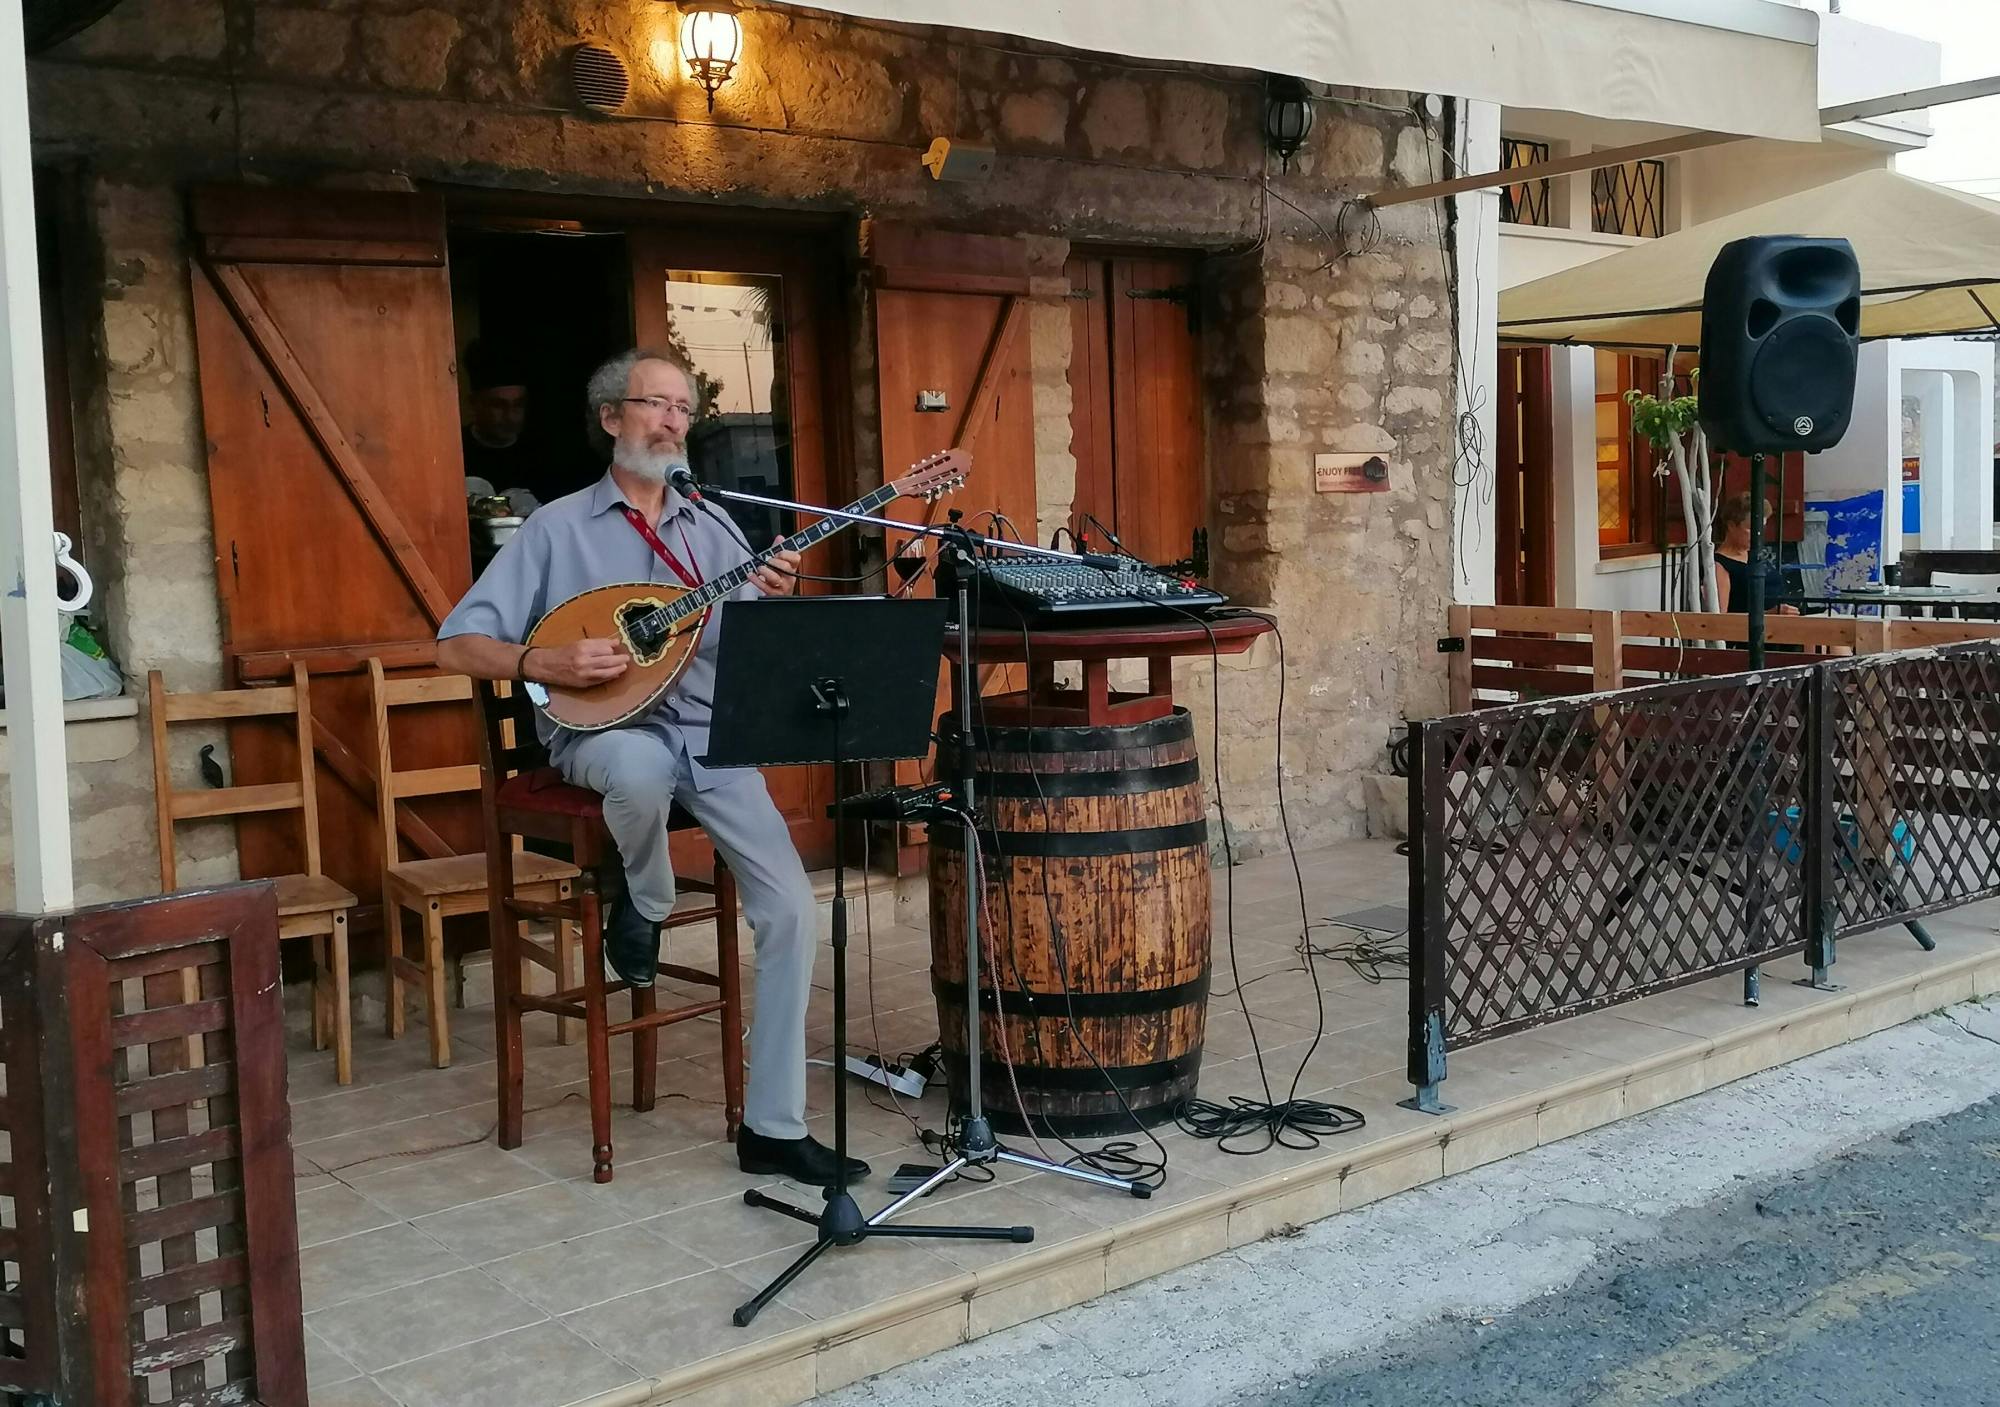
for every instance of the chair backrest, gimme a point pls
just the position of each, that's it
(391, 785)
(508, 742)
(220, 705)
(1921, 565)
(1812, 553)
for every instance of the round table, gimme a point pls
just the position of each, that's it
(1094, 647)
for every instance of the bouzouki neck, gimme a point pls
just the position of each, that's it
(715, 589)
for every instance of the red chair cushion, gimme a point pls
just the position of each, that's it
(544, 790)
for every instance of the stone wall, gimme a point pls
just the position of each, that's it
(1320, 332)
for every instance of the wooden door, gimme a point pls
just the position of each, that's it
(323, 321)
(1524, 562)
(952, 370)
(1135, 401)
(757, 317)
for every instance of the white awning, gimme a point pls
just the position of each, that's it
(1747, 67)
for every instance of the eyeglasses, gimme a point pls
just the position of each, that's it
(662, 405)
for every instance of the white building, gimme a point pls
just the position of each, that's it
(1565, 510)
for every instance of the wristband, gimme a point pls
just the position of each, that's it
(521, 664)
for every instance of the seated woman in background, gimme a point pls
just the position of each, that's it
(1732, 562)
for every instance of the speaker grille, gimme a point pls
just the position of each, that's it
(599, 78)
(1803, 376)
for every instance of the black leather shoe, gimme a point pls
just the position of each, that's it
(631, 944)
(805, 1160)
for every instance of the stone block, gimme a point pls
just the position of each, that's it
(411, 52)
(1299, 344)
(1343, 151)
(1421, 401)
(301, 43)
(1115, 118)
(1388, 801)
(152, 31)
(1416, 158)
(1194, 123)
(1040, 118)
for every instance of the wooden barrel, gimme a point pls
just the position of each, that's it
(1097, 915)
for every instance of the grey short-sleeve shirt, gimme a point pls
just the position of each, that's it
(581, 542)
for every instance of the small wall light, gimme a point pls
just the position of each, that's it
(711, 42)
(1288, 116)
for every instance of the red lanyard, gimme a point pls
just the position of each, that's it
(645, 530)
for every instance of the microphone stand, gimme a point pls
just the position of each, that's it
(976, 1144)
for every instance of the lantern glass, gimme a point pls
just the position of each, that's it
(709, 38)
(1288, 117)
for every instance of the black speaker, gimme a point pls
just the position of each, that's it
(1780, 321)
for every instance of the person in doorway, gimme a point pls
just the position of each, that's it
(495, 452)
(632, 526)
(1732, 562)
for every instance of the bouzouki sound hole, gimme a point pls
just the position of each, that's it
(643, 626)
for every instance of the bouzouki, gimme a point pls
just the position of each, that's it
(660, 625)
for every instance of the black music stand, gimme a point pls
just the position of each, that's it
(804, 680)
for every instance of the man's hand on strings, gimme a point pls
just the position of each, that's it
(777, 576)
(578, 665)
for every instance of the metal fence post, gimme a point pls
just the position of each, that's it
(1820, 832)
(1430, 974)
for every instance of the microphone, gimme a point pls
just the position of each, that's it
(684, 483)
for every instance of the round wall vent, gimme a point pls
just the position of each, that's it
(599, 78)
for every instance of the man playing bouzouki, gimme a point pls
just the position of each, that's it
(632, 527)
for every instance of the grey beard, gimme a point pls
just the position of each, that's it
(651, 465)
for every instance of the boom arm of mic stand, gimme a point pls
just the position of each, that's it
(964, 538)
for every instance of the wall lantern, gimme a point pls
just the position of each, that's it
(1288, 116)
(711, 42)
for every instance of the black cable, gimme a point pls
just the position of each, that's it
(1368, 958)
(1291, 1122)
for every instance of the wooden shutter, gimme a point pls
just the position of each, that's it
(1135, 400)
(950, 318)
(1524, 501)
(329, 396)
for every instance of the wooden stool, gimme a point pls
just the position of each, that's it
(309, 904)
(526, 797)
(448, 885)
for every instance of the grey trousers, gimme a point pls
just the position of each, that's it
(641, 773)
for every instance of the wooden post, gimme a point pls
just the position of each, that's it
(43, 882)
(1459, 667)
(1607, 651)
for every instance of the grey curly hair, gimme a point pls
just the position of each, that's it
(609, 383)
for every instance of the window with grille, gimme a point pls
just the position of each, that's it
(1629, 199)
(1524, 202)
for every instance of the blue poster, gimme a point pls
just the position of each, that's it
(1853, 538)
(1913, 508)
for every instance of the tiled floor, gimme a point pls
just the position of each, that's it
(441, 1271)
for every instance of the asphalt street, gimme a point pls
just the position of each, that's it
(1827, 1233)
(1872, 1278)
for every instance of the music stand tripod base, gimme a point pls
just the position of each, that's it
(868, 675)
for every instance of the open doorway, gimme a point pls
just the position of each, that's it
(539, 300)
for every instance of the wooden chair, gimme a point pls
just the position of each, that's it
(525, 797)
(309, 904)
(442, 887)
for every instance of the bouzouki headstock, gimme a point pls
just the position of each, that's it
(935, 475)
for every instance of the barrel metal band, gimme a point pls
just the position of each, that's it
(1088, 1079)
(1030, 785)
(1177, 726)
(1015, 1001)
(1071, 845)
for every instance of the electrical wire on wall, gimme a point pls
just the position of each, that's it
(1472, 477)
